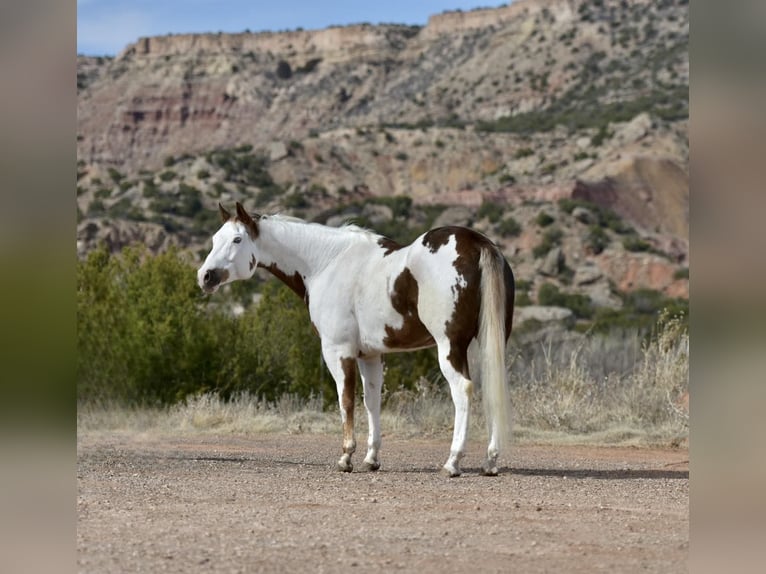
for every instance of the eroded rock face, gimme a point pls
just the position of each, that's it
(650, 192)
(345, 115)
(170, 95)
(631, 271)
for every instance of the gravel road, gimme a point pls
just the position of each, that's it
(274, 503)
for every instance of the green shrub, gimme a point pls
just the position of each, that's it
(544, 219)
(596, 240)
(491, 210)
(142, 332)
(523, 152)
(682, 273)
(400, 205)
(551, 238)
(115, 175)
(641, 309)
(635, 244)
(606, 217)
(146, 336)
(150, 188)
(96, 208)
(509, 227)
(581, 305)
(125, 209)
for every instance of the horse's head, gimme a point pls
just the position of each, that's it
(233, 254)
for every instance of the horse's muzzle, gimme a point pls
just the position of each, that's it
(212, 279)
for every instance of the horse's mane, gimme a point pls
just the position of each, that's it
(352, 227)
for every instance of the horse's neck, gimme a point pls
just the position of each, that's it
(297, 246)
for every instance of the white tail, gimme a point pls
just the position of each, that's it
(491, 339)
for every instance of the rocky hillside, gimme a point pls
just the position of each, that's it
(559, 127)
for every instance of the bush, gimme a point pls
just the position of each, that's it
(596, 240)
(146, 336)
(543, 219)
(509, 227)
(551, 238)
(641, 309)
(490, 210)
(636, 244)
(142, 333)
(580, 305)
(682, 273)
(606, 217)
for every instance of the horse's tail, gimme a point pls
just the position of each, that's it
(492, 339)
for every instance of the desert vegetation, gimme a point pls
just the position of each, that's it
(153, 351)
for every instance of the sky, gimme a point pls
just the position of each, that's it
(105, 27)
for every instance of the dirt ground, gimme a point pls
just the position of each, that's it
(274, 503)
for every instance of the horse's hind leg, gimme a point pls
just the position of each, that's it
(461, 389)
(343, 370)
(372, 381)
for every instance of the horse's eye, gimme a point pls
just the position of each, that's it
(237, 240)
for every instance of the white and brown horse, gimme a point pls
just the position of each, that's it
(367, 296)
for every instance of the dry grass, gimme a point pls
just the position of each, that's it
(570, 392)
(590, 390)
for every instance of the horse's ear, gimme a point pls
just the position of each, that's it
(244, 217)
(225, 215)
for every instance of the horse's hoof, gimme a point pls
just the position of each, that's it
(345, 466)
(489, 470)
(370, 466)
(450, 472)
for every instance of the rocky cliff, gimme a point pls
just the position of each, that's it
(517, 107)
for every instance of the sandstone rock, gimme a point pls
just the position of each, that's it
(631, 271)
(377, 213)
(583, 142)
(584, 215)
(587, 274)
(552, 263)
(543, 314)
(583, 164)
(634, 130)
(456, 215)
(277, 151)
(600, 293)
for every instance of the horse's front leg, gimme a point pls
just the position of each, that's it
(371, 370)
(342, 366)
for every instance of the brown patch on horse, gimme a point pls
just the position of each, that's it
(438, 237)
(404, 299)
(389, 245)
(294, 281)
(348, 396)
(463, 326)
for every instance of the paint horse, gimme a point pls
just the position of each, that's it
(368, 295)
